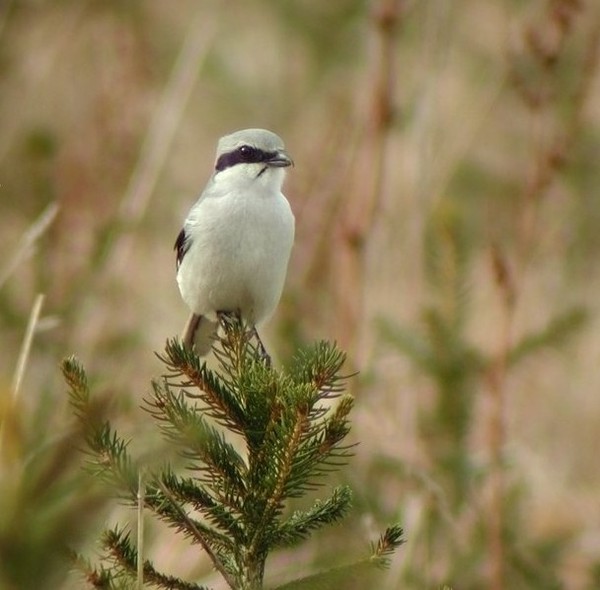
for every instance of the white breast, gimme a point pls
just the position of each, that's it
(240, 247)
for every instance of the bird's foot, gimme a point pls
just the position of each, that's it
(262, 351)
(228, 319)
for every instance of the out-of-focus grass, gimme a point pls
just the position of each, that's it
(48, 506)
(496, 118)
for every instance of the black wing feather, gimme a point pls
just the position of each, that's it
(182, 245)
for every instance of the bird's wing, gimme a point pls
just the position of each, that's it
(182, 245)
(184, 239)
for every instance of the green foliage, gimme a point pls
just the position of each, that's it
(116, 466)
(387, 544)
(47, 505)
(441, 350)
(358, 574)
(251, 437)
(556, 333)
(123, 558)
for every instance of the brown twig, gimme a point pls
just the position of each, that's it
(544, 47)
(496, 428)
(362, 210)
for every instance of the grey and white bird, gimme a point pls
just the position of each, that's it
(233, 250)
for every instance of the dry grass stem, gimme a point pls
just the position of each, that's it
(140, 530)
(27, 245)
(34, 317)
(21, 365)
(162, 130)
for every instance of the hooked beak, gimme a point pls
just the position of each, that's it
(279, 159)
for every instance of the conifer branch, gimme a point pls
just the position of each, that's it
(96, 577)
(323, 376)
(355, 572)
(219, 512)
(200, 538)
(321, 451)
(79, 390)
(389, 541)
(292, 439)
(274, 501)
(553, 335)
(169, 510)
(124, 554)
(205, 446)
(236, 350)
(303, 522)
(108, 456)
(186, 370)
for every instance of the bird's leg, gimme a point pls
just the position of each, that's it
(262, 351)
(228, 318)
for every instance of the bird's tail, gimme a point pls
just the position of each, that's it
(199, 333)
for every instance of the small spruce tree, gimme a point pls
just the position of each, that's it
(292, 437)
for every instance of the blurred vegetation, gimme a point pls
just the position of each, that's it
(448, 224)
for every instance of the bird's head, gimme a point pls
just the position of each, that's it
(251, 154)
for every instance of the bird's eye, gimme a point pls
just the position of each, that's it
(246, 152)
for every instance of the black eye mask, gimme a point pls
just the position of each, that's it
(245, 154)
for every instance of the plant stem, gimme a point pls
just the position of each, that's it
(34, 317)
(362, 211)
(496, 430)
(140, 530)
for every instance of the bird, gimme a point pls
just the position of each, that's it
(236, 241)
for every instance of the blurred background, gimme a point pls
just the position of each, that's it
(448, 228)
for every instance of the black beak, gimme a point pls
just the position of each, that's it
(279, 159)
